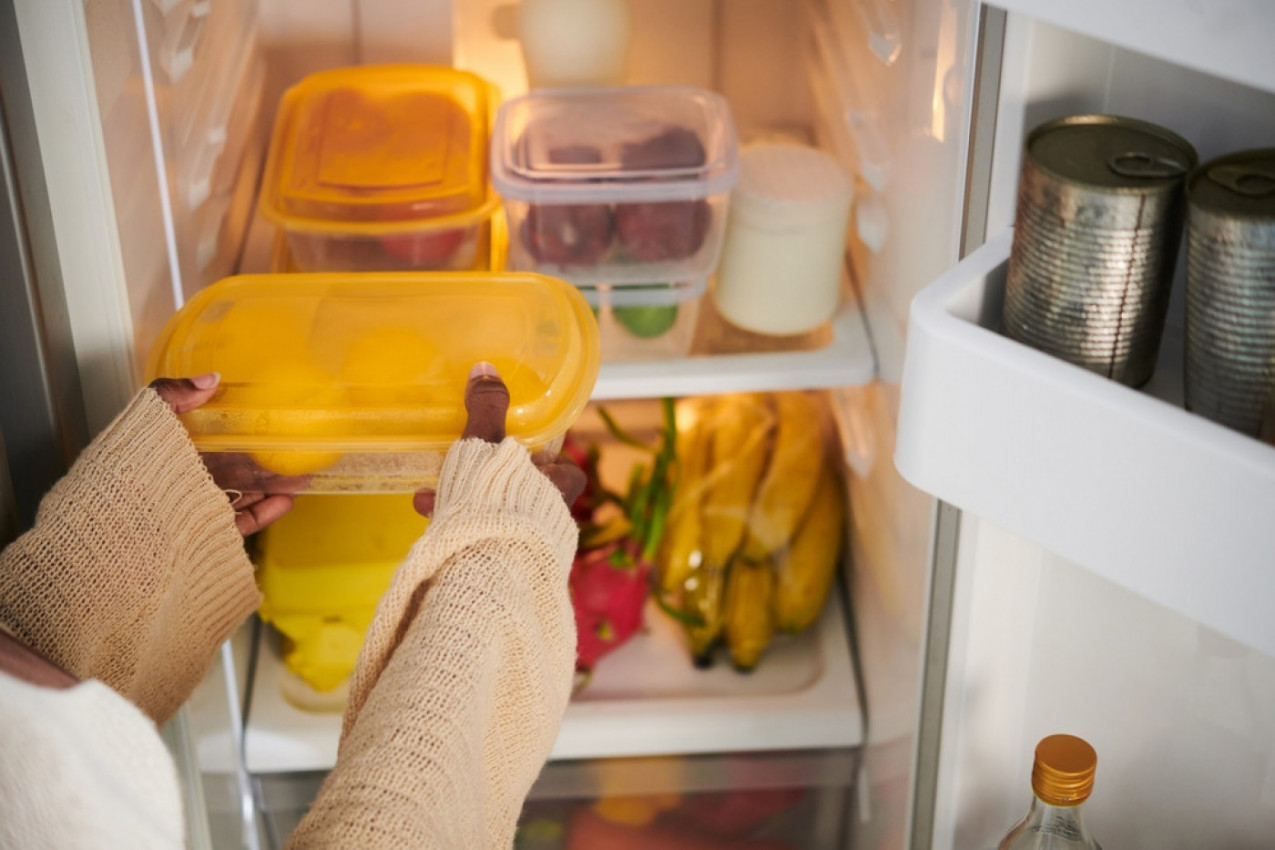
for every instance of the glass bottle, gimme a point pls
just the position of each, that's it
(1062, 778)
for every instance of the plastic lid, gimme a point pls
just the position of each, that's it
(1111, 152)
(642, 143)
(380, 148)
(788, 185)
(377, 362)
(1240, 184)
(1063, 772)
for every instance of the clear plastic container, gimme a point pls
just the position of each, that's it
(337, 383)
(382, 168)
(615, 186)
(647, 323)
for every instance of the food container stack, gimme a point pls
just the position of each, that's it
(620, 190)
(381, 168)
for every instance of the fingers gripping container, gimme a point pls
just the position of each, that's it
(615, 186)
(382, 168)
(334, 383)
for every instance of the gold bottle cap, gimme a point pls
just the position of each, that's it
(1063, 772)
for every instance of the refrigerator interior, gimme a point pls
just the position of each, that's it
(892, 87)
(184, 125)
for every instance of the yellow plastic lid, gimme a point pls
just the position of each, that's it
(379, 149)
(377, 362)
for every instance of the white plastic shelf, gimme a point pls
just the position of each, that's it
(1231, 40)
(645, 699)
(848, 360)
(1125, 483)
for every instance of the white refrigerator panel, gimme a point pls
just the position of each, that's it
(1182, 718)
(1113, 564)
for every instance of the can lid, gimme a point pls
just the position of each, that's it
(1063, 772)
(1111, 152)
(380, 148)
(1238, 184)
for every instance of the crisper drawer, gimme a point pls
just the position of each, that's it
(647, 700)
(800, 800)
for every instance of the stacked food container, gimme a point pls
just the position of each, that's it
(623, 191)
(343, 373)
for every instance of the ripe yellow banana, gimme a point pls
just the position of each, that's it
(750, 618)
(740, 447)
(681, 552)
(704, 597)
(806, 569)
(791, 476)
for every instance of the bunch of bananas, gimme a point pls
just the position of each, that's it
(755, 531)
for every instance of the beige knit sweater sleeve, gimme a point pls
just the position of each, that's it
(466, 671)
(134, 572)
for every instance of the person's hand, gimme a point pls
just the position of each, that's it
(243, 481)
(486, 404)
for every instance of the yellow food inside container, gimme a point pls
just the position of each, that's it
(355, 382)
(322, 569)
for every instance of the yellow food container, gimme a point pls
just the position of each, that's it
(322, 569)
(336, 383)
(382, 168)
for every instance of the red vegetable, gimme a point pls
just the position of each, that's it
(608, 590)
(423, 250)
(655, 232)
(734, 813)
(674, 147)
(590, 831)
(567, 234)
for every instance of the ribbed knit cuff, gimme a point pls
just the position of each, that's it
(485, 478)
(486, 492)
(134, 572)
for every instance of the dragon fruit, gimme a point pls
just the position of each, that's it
(608, 590)
(611, 574)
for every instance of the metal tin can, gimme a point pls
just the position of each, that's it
(1096, 237)
(1230, 291)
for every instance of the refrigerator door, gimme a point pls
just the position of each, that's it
(1110, 561)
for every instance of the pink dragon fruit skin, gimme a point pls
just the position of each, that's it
(607, 599)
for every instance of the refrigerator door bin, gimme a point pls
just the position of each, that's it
(1125, 483)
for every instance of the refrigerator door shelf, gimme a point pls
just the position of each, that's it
(1125, 483)
(1230, 40)
(645, 699)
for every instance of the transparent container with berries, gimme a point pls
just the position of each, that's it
(615, 186)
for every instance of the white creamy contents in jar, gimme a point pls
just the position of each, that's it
(780, 271)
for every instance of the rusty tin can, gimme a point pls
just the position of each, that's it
(1230, 291)
(1096, 233)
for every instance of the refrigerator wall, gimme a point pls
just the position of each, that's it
(151, 129)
